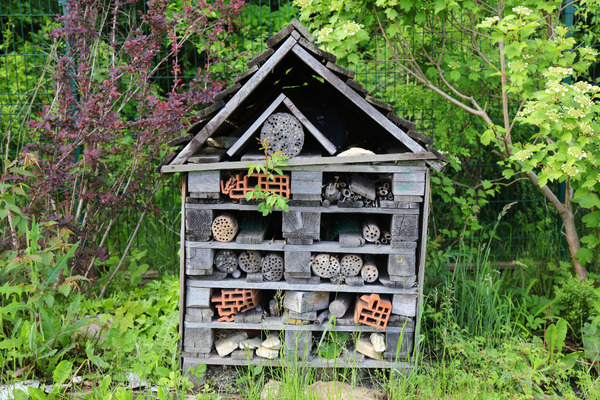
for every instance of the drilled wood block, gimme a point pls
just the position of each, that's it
(224, 228)
(283, 132)
(250, 261)
(204, 181)
(226, 261)
(306, 182)
(198, 337)
(301, 224)
(297, 344)
(302, 302)
(405, 228)
(198, 259)
(298, 262)
(402, 264)
(398, 344)
(408, 183)
(404, 304)
(326, 265)
(247, 236)
(272, 267)
(198, 221)
(197, 297)
(373, 311)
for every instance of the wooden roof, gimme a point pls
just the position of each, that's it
(294, 73)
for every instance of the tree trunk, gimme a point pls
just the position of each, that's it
(573, 241)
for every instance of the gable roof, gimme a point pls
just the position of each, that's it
(296, 42)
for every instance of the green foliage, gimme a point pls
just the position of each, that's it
(267, 199)
(577, 300)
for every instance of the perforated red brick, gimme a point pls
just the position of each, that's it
(233, 301)
(373, 311)
(237, 187)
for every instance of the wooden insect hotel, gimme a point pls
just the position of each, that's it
(348, 256)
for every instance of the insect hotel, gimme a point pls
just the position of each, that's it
(348, 255)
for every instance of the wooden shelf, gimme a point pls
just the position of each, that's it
(275, 324)
(312, 361)
(324, 210)
(316, 247)
(230, 283)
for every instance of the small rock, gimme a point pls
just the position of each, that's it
(364, 346)
(378, 341)
(228, 345)
(135, 381)
(242, 354)
(272, 342)
(253, 344)
(267, 353)
(271, 390)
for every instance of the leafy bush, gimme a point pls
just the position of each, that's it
(576, 299)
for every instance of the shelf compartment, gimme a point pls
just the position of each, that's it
(325, 210)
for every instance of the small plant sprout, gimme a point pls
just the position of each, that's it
(268, 198)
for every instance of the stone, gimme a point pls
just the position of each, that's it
(229, 344)
(272, 342)
(378, 342)
(242, 354)
(364, 346)
(267, 353)
(252, 344)
(302, 302)
(271, 390)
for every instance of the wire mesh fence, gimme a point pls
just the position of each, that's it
(532, 228)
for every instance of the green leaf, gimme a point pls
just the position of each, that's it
(591, 240)
(486, 184)
(587, 200)
(487, 137)
(62, 372)
(508, 173)
(584, 255)
(592, 220)
(94, 359)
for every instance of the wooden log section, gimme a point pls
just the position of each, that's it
(369, 272)
(226, 261)
(371, 231)
(250, 261)
(326, 266)
(224, 228)
(351, 264)
(321, 318)
(272, 267)
(341, 304)
(283, 132)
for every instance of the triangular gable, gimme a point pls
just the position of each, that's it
(294, 43)
(326, 143)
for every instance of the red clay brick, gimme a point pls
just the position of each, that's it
(373, 311)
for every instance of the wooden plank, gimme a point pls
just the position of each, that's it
(276, 324)
(205, 112)
(168, 158)
(231, 283)
(333, 209)
(362, 103)
(234, 102)
(250, 131)
(306, 182)
(380, 104)
(420, 137)
(182, 280)
(326, 143)
(340, 70)
(425, 156)
(246, 236)
(303, 31)
(421, 259)
(360, 89)
(401, 122)
(207, 155)
(317, 51)
(214, 359)
(179, 140)
(260, 58)
(280, 36)
(228, 91)
(239, 78)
